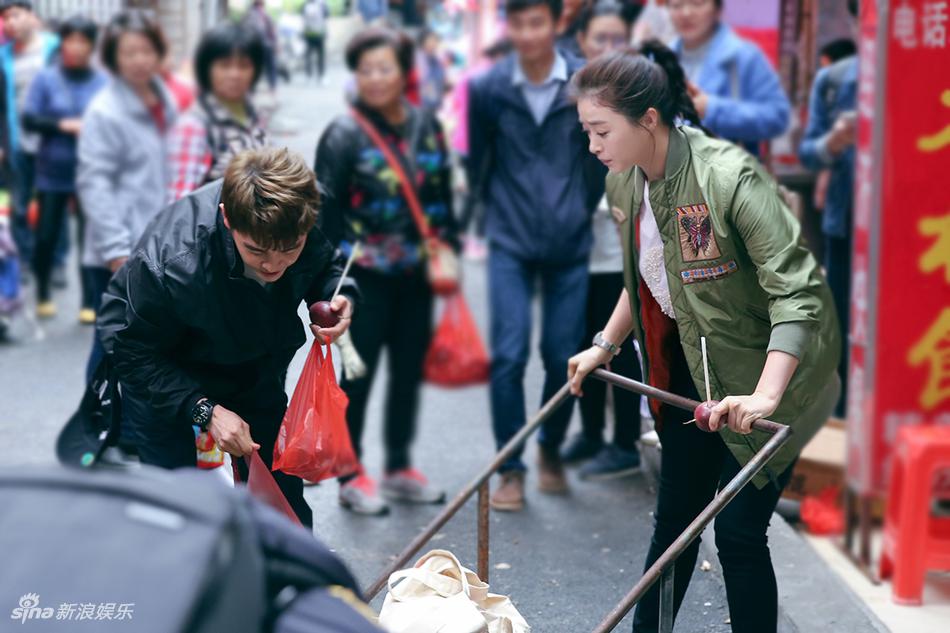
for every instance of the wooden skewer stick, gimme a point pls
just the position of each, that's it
(702, 341)
(346, 270)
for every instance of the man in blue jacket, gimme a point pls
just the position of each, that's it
(26, 53)
(828, 143)
(529, 163)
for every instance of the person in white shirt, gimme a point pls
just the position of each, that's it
(602, 29)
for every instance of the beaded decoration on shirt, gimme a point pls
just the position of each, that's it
(653, 269)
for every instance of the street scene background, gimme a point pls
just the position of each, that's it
(565, 560)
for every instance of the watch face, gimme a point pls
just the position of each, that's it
(203, 413)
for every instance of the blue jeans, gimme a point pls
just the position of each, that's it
(512, 282)
(270, 66)
(22, 171)
(838, 270)
(96, 279)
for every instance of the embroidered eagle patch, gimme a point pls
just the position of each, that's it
(697, 240)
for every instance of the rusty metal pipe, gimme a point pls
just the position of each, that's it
(669, 398)
(483, 530)
(481, 481)
(456, 504)
(696, 528)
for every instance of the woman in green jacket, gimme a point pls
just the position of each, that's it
(710, 250)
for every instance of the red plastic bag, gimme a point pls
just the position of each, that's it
(314, 442)
(456, 356)
(822, 513)
(261, 484)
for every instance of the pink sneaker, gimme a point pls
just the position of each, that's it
(359, 495)
(411, 486)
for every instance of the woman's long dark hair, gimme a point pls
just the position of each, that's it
(632, 81)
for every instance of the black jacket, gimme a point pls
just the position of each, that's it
(181, 320)
(363, 199)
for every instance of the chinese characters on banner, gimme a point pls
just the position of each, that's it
(900, 312)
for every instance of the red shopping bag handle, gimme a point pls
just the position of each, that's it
(261, 484)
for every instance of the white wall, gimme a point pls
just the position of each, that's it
(98, 10)
(182, 20)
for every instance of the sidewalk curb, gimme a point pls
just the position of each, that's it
(811, 595)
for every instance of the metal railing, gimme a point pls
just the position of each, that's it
(661, 570)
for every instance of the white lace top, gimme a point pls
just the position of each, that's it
(652, 265)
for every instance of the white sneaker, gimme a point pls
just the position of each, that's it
(651, 438)
(411, 486)
(359, 495)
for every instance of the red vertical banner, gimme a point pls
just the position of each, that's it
(900, 314)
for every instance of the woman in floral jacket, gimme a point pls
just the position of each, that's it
(364, 203)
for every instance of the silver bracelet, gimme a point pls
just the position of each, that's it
(604, 344)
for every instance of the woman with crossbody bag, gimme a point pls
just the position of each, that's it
(385, 172)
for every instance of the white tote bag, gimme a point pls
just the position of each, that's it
(439, 595)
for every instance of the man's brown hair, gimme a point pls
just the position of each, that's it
(271, 195)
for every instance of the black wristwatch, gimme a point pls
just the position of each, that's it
(201, 413)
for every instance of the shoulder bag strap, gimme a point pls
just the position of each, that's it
(408, 190)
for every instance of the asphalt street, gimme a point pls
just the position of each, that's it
(565, 561)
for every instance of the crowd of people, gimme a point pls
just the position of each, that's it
(616, 175)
